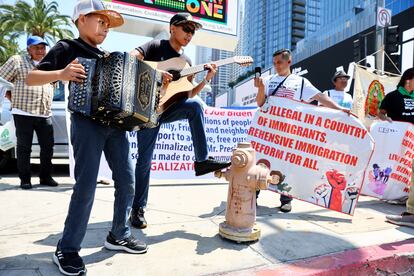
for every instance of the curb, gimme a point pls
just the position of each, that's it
(397, 257)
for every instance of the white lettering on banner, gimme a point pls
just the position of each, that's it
(390, 170)
(323, 152)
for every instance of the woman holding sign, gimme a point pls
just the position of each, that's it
(399, 106)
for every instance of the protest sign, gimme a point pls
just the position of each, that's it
(320, 153)
(389, 172)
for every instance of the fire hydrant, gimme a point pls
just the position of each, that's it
(244, 177)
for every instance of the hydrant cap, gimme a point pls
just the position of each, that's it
(239, 159)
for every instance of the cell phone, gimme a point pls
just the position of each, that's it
(257, 72)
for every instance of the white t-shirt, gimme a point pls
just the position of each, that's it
(291, 88)
(342, 98)
(16, 111)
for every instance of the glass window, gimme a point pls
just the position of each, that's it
(404, 5)
(59, 92)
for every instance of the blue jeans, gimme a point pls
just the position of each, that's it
(190, 109)
(89, 139)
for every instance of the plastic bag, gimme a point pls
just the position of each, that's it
(7, 136)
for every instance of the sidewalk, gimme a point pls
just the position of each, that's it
(183, 233)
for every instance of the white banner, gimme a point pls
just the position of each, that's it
(322, 152)
(369, 90)
(389, 172)
(173, 157)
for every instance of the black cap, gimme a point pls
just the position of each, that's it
(339, 74)
(184, 18)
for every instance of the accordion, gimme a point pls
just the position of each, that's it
(119, 90)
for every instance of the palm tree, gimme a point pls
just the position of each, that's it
(8, 46)
(42, 19)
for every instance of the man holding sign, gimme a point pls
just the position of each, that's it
(287, 85)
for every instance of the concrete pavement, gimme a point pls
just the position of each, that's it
(183, 231)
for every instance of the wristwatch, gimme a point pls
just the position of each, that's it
(205, 81)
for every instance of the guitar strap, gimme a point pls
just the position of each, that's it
(301, 89)
(78, 44)
(279, 85)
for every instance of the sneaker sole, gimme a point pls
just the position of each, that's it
(26, 187)
(114, 247)
(56, 261)
(400, 223)
(285, 211)
(203, 172)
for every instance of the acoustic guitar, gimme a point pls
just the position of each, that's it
(180, 86)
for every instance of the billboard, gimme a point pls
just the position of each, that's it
(151, 17)
(245, 93)
(221, 101)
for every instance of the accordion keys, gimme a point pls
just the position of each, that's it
(80, 96)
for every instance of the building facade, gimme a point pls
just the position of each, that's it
(343, 19)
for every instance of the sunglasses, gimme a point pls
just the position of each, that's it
(188, 29)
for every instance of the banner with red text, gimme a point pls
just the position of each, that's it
(315, 154)
(173, 156)
(389, 172)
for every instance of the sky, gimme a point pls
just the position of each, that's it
(115, 41)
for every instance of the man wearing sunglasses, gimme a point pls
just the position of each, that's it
(182, 29)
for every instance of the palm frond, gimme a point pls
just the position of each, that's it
(42, 19)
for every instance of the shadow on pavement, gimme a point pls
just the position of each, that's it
(216, 211)
(205, 245)
(285, 244)
(24, 263)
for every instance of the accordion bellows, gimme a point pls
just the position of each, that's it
(119, 89)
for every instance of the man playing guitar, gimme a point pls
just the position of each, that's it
(182, 29)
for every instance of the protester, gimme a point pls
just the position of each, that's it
(182, 29)
(338, 94)
(31, 109)
(288, 85)
(89, 138)
(398, 105)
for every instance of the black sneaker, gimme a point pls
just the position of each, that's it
(130, 244)
(209, 165)
(137, 218)
(26, 185)
(69, 263)
(48, 182)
